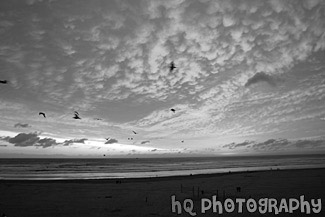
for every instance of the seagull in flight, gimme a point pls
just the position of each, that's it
(173, 110)
(42, 113)
(76, 115)
(3, 81)
(172, 66)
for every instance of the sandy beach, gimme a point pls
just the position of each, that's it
(153, 196)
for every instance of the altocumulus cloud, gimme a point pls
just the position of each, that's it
(108, 63)
(33, 139)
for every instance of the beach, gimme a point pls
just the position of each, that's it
(153, 196)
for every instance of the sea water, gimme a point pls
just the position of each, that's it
(111, 168)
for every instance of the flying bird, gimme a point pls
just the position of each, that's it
(3, 81)
(173, 110)
(76, 115)
(134, 132)
(172, 66)
(42, 113)
(182, 140)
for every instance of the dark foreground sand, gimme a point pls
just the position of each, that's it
(152, 197)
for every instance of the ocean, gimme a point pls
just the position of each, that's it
(112, 168)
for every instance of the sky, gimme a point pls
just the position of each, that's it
(249, 77)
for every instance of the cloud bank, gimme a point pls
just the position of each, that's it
(278, 145)
(33, 139)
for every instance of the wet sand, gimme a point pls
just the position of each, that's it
(152, 196)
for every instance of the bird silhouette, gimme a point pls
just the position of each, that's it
(42, 113)
(182, 140)
(3, 81)
(172, 66)
(134, 132)
(173, 110)
(76, 115)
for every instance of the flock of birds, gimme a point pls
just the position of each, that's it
(77, 115)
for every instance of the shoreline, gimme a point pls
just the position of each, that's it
(156, 178)
(35, 169)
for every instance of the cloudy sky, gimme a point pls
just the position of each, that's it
(250, 77)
